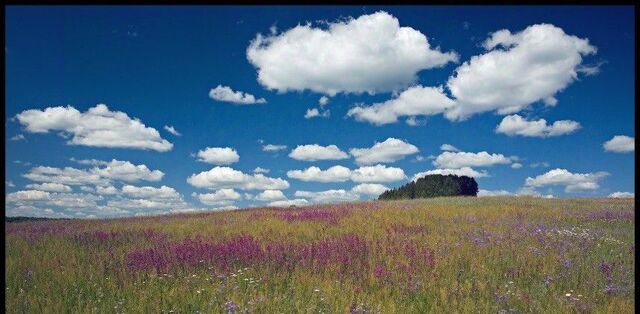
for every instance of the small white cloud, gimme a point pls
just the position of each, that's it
(516, 125)
(449, 148)
(377, 173)
(271, 195)
(315, 152)
(126, 171)
(482, 193)
(620, 144)
(108, 190)
(390, 150)
(222, 197)
(314, 112)
(372, 189)
(516, 165)
(273, 148)
(19, 137)
(288, 203)
(225, 93)
(329, 196)
(9, 183)
(572, 182)
(218, 155)
(464, 159)
(260, 170)
(323, 101)
(172, 130)
(543, 164)
(622, 195)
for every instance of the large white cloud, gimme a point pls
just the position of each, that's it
(369, 54)
(329, 196)
(464, 171)
(225, 93)
(50, 187)
(225, 177)
(517, 70)
(315, 174)
(414, 101)
(126, 171)
(369, 189)
(620, 144)
(315, 152)
(97, 127)
(377, 173)
(516, 125)
(465, 159)
(218, 155)
(222, 197)
(571, 181)
(390, 150)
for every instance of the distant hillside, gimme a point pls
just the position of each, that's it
(433, 186)
(21, 219)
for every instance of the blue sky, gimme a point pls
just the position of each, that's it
(160, 64)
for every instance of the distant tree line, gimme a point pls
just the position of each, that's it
(21, 219)
(433, 186)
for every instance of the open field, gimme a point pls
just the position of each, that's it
(444, 255)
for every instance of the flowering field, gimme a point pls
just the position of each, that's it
(444, 255)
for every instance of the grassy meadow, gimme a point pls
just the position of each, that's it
(442, 255)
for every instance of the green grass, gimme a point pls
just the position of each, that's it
(509, 254)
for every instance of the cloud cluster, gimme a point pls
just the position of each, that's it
(372, 54)
(516, 125)
(377, 173)
(517, 70)
(225, 177)
(98, 127)
(225, 93)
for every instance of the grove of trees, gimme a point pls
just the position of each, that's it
(433, 186)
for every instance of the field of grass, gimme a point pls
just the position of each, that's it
(443, 255)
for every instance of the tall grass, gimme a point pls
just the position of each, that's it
(443, 255)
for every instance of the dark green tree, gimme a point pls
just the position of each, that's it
(433, 186)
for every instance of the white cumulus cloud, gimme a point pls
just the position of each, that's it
(390, 150)
(373, 189)
(315, 152)
(571, 181)
(622, 195)
(218, 155)
(465, 159)
(414, 101)
(620, 144)
(271, 195)
(50, 187)
(371, 53)
(98, 127)
(516, 125)
(225, 177)
(517, 70)
(225, 93)
(377, 173)
(315, 174)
